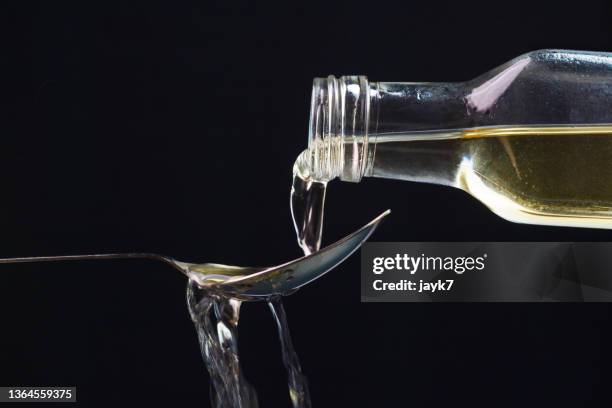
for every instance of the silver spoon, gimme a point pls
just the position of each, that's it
(247, 283)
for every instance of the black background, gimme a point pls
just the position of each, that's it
(173, 127)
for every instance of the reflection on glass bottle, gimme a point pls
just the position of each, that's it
(531, 139)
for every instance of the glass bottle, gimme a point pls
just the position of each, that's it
(531, 139)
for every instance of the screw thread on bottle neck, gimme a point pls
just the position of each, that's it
(338, 131)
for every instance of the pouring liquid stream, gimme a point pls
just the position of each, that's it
(307, 203)
(215, 313)
(216, 316)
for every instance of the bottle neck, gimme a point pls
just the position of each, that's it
(349, 114)
(340, 118)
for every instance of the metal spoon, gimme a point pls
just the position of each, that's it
(247, 283)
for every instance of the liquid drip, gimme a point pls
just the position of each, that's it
(298, 384)
(216, 320)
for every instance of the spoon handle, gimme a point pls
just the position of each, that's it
(60, 258)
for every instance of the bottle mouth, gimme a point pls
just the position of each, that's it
(338, 129)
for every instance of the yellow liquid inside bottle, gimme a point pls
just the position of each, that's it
(558, 175)
(551, 175)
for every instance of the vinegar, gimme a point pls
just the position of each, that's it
(554, 175)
